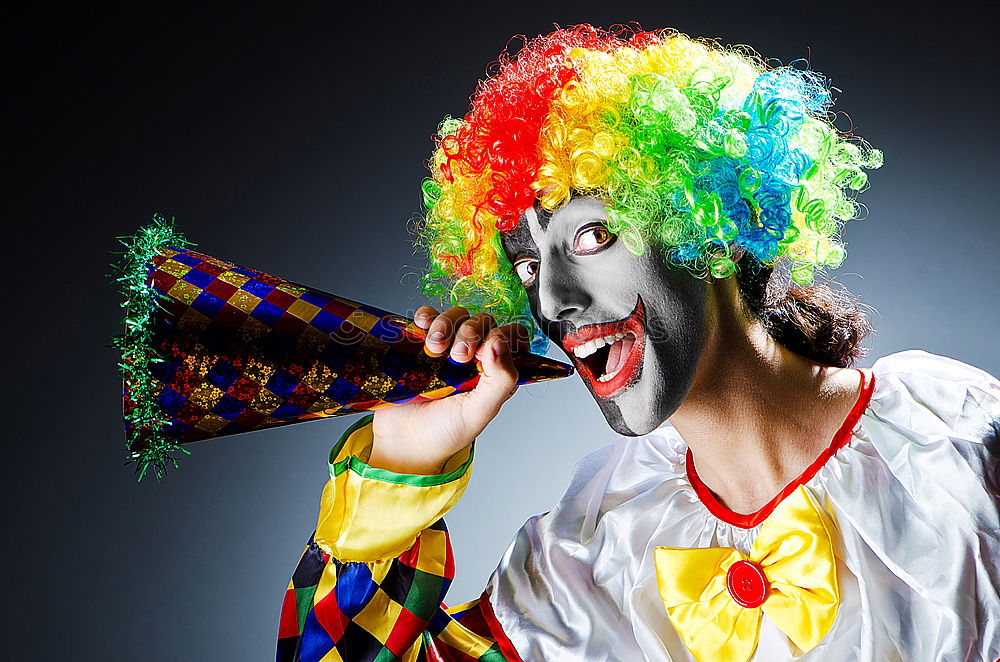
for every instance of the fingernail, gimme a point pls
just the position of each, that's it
(437, 336)
(462, 348)
(499, 349)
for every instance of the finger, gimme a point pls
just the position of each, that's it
(519, 338)
(499, 376)
(498, 381)
(442, 329)
(424, 316)
(470, 336)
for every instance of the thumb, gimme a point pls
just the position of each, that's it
(497, 383)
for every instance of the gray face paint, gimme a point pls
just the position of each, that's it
(632, 324)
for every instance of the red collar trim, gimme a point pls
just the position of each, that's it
(841, 439)
(503, 643)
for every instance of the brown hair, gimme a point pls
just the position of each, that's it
(822, 321)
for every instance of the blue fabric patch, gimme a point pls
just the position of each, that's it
(257, 288)
(354, 588)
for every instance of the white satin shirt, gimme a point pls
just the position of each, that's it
(914, 493)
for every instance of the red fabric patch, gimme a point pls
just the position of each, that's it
(405, 631)
(163, 281)
(329, 615)
(338, 308)
(230, 316)
(244, 389)
(213, 267)
(289, 325)
(410, 556)
(191, 413)
(474, 620)
(288, 625)
(302, 396)
(496, 630)
(250, 418)
(280, 299)
(449, 560)
(186, 381)
(220, 288)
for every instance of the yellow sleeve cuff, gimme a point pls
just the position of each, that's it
(369, 514)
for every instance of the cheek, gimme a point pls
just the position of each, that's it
(685, 315)
(675, 290)
(677, 323)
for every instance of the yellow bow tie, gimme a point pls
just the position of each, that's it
(715, 596)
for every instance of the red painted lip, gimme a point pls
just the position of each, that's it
(635, 324)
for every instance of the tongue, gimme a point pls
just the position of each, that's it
(618, 353)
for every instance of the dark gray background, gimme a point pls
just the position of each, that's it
(294, 141)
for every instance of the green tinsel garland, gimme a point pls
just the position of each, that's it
(140, 300)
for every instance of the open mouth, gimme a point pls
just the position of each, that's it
(608, 355)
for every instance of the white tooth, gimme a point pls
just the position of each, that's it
(609, 340)
(591, 346)
(608, 377)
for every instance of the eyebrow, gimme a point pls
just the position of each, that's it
(544, 216)
(519, 240)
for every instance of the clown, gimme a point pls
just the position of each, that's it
(657, 207)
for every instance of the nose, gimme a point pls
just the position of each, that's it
(563, 294)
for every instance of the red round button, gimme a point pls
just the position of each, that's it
(747, 584)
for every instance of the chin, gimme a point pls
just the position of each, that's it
(636, 413)
(618, 423)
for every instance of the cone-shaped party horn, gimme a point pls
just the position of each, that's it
(213, 349)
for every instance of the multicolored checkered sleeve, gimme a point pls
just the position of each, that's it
(371, 583)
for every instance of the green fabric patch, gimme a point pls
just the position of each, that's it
(492, 654)
(424, 597)
(303, 603)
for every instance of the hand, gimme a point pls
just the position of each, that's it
(420, 437)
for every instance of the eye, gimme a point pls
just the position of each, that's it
(592, 238)
(526, 268)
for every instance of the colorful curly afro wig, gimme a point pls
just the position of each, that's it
(701, 150)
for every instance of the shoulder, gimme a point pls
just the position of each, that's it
(925, 451)
(620, 473)
(917, 362)
(617, 489)
(920, 481)
(932, 394)
(623, 490)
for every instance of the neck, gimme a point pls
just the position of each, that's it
(757, 413)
